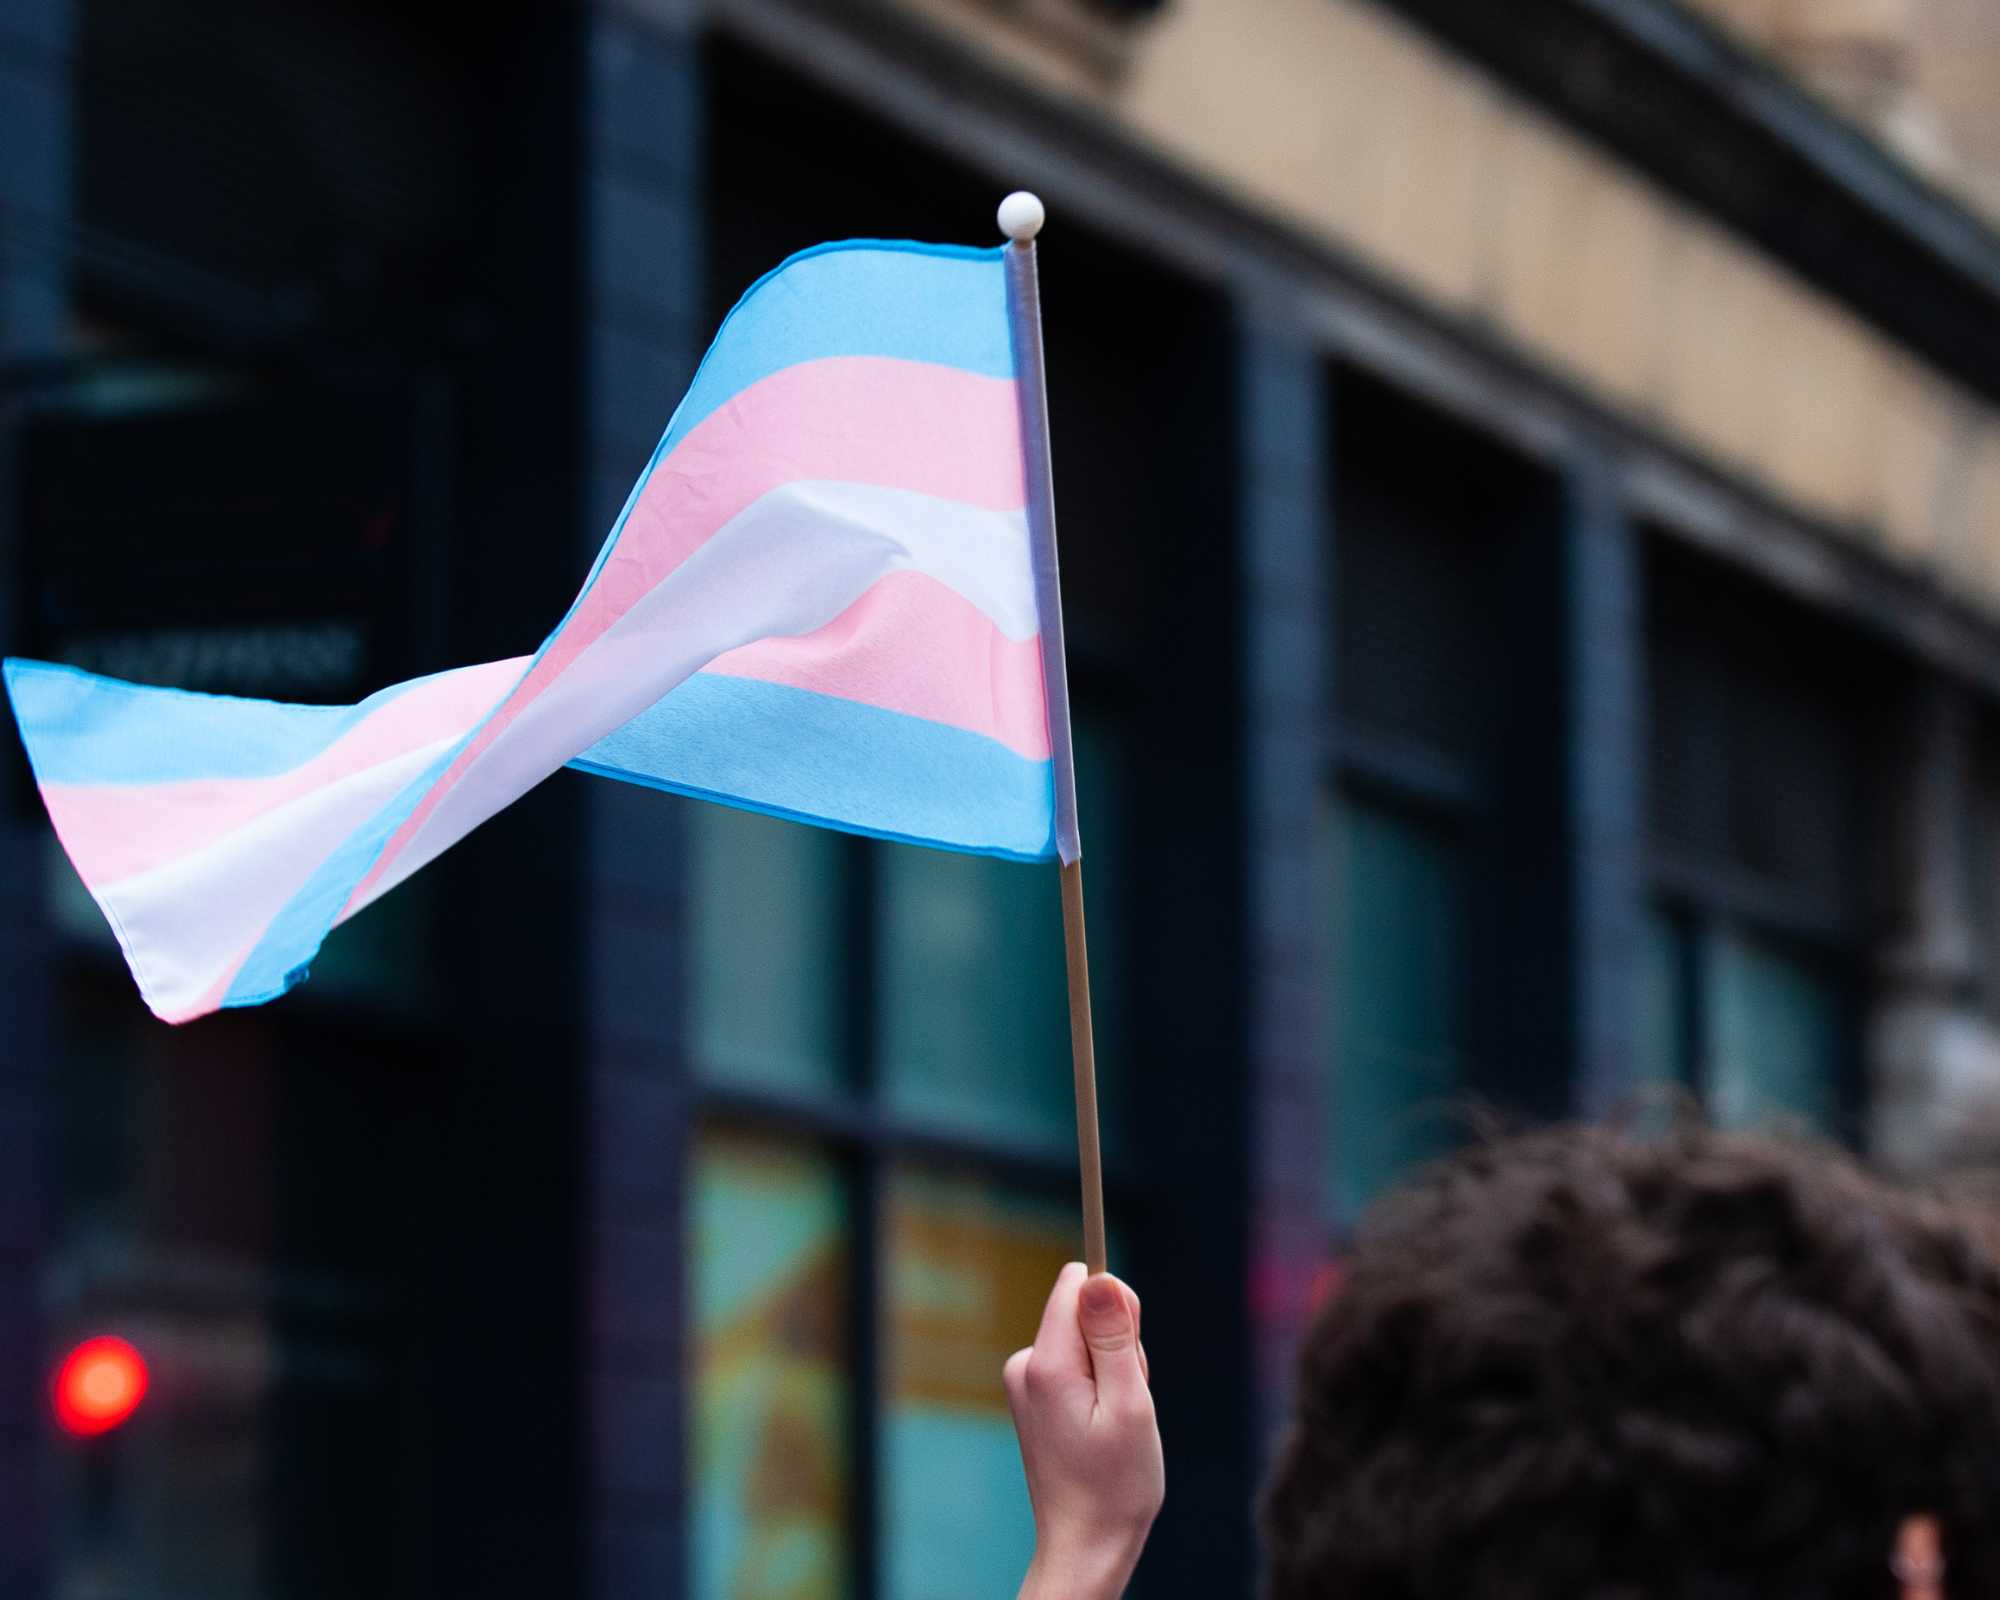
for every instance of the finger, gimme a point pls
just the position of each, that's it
(1014, 1377)
(1919, 1559)
(1059, 1311)
(1059, 1351)
(1111, 1335)
(1145, 1366)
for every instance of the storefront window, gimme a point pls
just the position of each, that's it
(799, 934)
(1665, 1045)
(1756, 1028)
(773, 1291)
(968, 1266)
(769, 982)
(1774, 1038)
(975, 1017)
(1397, 986)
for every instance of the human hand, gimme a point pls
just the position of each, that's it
(1089, 1440)
(1919, 1559)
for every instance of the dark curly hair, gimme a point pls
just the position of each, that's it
(1584, 1365)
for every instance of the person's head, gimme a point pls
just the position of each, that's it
(1579, 1365)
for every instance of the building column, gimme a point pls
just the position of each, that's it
(1285, 423)
(1562, 964)
(36, 43)
(644, 296)
(1604, 777)
(1933, 1059)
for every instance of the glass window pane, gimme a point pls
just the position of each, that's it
(769, 953)
(386, 958)
(1774, 1038)
(1107, 887)
(1397, 986)
(968, 1267)
(772, 1432)
(1665, 1051)
(974, 1024)
(974, 1029)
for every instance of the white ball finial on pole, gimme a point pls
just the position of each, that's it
(1021, 216)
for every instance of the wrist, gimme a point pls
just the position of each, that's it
(1091, 1569)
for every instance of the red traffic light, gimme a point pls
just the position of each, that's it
(99, 1386)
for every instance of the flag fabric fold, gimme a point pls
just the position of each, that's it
(818, 601)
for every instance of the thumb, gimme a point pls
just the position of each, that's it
(1104, 1311)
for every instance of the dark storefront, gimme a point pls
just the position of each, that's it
(643, 1200)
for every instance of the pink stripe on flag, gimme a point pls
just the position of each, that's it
(858, 419)
(116, 831)
(911, 644)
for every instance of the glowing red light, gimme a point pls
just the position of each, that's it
(99, 1386)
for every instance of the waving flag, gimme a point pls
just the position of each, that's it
(819, 601)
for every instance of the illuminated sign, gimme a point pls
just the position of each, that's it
(253, 549)
(260, 548)
(99, 1386)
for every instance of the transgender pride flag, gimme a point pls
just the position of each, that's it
(819, 601)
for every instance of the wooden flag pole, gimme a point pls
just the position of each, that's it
(1021, 217)
(1083, 1058)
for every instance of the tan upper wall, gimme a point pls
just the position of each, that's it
(1919, 74)
(1343, 122)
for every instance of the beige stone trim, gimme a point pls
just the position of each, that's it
(1345, 124)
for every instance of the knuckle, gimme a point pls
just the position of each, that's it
(1134, 1415)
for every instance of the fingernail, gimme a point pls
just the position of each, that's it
(1102, 1303)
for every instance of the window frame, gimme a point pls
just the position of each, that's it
(1707, 896)
(1436, 790)
(858, 1127)
(1704, 904)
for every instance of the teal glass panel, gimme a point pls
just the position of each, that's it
(769, 985)
(1102, 800)
(1397, 893)
(67, 906)
(386, 957)
(772, 1434)
(1774, 1038)
(969, 1266)
(1665, 1048)
(974, 1015)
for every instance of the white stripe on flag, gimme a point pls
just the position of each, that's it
(786, 565)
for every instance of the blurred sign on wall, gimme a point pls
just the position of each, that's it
(255, 548)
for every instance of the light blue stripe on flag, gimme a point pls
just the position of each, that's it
(814, 758)
(82, 728)
(913, 302)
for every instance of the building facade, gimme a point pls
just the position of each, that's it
(1530, 497)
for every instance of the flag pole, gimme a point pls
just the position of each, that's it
(1021, 217)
